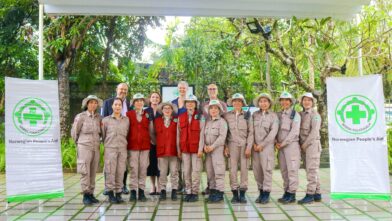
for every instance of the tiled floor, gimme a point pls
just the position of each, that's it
(71, 208)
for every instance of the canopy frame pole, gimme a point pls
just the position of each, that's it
(41, 43)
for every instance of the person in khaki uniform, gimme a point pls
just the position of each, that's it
(114, 135)
(212, 90)
(141, 131)
(265, 127)
(288, 146)
(212, 141)
(86, 133)
(167, 153)
(188, 137)
(238, 146)
(309, 138)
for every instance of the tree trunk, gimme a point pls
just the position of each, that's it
(311, 64)
(63, 79)
(105, 65)
(267, 72)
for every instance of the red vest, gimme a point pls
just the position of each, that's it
(189, 133)
(166, 138)
(138, 135)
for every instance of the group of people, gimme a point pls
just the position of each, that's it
(149, 137)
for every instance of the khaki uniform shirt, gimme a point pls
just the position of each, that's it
(213, 133)
(115, 131)
(288, 128)
(86, 129)
(310, 127)
(239, 129)
(265, 126)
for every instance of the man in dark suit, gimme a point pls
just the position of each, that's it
(107, 110)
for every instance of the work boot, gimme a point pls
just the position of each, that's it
(258, 199)
(265, 198)
(211, 195)
(93, 199)
(105, 192)
(283, 197)
(317, 197)
(193, 198)
(87, 200)
(132, 197)
(309, 198)
(218, 197)
(174, 195)
(162, 196)
(242, 196)
(289, 199)
(119, 198)
(235, 198)
(187, 197)
(142, 197)
(112, 198)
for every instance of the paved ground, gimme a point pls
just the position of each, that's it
(71, 208)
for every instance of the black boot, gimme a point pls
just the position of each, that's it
(162, 196)
(242, 196)
(235, 198)
(258, 199)
(283, 197)
(309, 198)
(317, 197)
(174, 194)
(265, 198)
(289, 199)
(218, 197)
(93, 199)
(142, 197)
(193, 198)
(112, 198)
(105, 192)
(119, 198)
(132, 197)
(187, 197)
(87, 200)
(211, 195)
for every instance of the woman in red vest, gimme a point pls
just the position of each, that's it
(188, 136)
(141, 129)
(167, 153)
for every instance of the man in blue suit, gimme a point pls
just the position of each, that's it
(121, 92)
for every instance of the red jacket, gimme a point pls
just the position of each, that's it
(139, 134)
(166, 137)
(189, 133)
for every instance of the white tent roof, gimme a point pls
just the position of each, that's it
(340, 9)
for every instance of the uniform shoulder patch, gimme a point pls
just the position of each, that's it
(317, 117)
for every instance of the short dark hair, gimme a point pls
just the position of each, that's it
(117, 98)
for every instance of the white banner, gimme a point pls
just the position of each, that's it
(32, 137)
(357, 138)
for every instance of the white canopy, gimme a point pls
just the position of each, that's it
(340, 9)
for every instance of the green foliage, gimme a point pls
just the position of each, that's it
(68, 154)
(2, 156)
